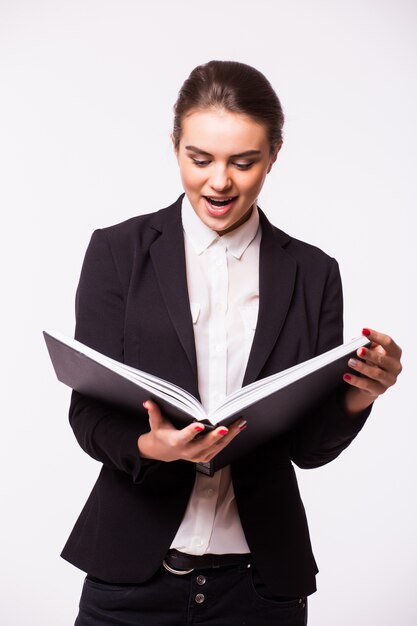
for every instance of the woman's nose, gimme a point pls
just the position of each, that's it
(220, 179)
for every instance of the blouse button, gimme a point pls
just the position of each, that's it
(201, 580)
(200, 598)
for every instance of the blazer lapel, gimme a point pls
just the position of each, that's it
(168, 257)
(277, 272)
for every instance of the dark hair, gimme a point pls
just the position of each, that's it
(236, 87)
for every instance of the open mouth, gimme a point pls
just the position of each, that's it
(219, 203)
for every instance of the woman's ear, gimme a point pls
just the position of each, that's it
(173, 145)
(274, 156)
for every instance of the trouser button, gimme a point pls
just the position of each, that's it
(200, 597)
(201, 579)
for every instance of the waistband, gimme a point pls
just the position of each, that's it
(181, 563)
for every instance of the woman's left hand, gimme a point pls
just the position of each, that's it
(379, 366)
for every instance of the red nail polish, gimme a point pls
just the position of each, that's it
(362, 352)
(347, 377)
(366, 332)
(199, 428)
(223, 432)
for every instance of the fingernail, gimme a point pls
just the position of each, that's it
(362, 351)
(347, 377)
(223, 432)
(145, 404)
(366, 332)
(199, 428)
(242, 425)
(352, 362)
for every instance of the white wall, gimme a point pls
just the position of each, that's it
(87, 89)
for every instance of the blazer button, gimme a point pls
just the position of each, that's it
(201, 579)
(200, 598)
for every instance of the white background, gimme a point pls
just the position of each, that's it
(87, 89)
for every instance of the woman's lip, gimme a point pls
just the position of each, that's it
(220, 210)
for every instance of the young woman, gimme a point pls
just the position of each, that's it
(208, 294)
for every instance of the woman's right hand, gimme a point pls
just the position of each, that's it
(164, 442)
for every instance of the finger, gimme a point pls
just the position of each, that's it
(190, 432)
(385, 341)
(239, 424)
(213, 437)
(368, 385)
(379, 357)
(235, 428)
(204, 448)
(222, 436)
(375, 373)
(156, 419)
(211, 444)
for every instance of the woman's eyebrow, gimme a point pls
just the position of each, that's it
(233, 156)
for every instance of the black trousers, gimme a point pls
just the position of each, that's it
(226, 596)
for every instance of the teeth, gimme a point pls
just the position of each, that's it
(219, 203)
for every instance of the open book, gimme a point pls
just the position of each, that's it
(271, 405)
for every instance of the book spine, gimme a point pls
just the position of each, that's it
(205, 468)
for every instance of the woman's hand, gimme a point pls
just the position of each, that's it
(164, 442)
(379, 366)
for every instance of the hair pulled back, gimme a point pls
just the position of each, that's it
(236, 87)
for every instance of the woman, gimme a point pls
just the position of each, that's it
(208, 294)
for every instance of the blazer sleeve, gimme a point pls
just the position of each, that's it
(325, 433)
(106, 433)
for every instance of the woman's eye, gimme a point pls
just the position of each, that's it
(240, 166)
(243, 166)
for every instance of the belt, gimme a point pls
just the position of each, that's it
(180, 563)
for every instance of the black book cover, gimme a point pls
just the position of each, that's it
(267, 417)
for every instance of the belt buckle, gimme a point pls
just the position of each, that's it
(177, 572)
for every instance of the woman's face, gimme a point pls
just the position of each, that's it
(224, 158)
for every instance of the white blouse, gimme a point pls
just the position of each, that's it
(223, 287)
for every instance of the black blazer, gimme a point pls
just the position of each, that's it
(132, 304)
